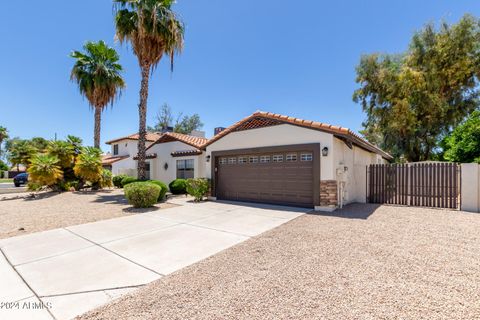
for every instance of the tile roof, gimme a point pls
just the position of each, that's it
(151, 137)
(196, 142)
(183, 153)
(108, 160)
(262, 119)
(147, 156)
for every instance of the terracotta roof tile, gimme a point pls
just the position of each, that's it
(108, 160)
(336, 130)
(151, 137)
(196, 142)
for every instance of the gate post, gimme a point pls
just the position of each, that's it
(470, 187)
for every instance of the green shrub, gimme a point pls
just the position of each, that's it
(117, 180)
(178, 186)
(198, 188)
(106, 181)
(32, 186)
(142, 194)
(162, 185)
(128, 180)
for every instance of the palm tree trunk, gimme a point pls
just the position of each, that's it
(142, 130)
(96, 134)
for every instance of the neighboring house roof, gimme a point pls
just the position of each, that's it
(151, 137)
(262, 119)
(196, 142)
(184, 153)
(148, 156)
(108, 160)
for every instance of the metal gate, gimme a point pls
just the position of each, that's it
(417, 184)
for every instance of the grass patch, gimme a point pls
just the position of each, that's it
(6, 180)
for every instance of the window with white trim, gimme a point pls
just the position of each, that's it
(264, 159)
(277, 158)
(253, 159)
(232, 160)
(185, 169)
(291, 157)
(115, 149)
(242, 160)
(306, 157)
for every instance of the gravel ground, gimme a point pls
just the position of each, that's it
(56, 210)
(366, 262)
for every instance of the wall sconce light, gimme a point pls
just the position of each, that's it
(208, 158)
(165, 166)
(325, 152)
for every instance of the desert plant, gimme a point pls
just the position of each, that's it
(154, 30)
(178, 186)
(117, 180)
(198, 188)
(63, 150)
(162, 185)
(98, 75)
(89, 165)
(127, 180)
(142, 194)
(45, 170)
(33, 186)
(106, 180)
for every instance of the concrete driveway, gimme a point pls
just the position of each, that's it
(61, 273)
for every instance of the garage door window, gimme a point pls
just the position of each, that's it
(242, 160)
(264, 159)
(291, 157)
(185, 169)
(306, 157)
(223, 161)
(253, 159)
(232, 160)
(278, 158)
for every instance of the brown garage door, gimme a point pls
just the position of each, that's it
(279, 176)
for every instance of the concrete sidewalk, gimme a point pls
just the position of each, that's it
(61, 273)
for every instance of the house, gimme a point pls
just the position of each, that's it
(267, 158)
(170, 155)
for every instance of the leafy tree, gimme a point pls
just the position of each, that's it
(184, 124)
(98, 75)
(39, 143)
(45, 170)
(3, 167)
(89, 165)
(463, 144)
(76, 144)
(3, 137)
(64, 151)
(154, 30)
(21, 152)
(414, 99)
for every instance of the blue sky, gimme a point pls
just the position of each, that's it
(291, 57)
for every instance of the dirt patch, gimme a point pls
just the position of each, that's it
(364, 262)
(52, 210)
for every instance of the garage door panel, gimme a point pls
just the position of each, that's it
(272, 182)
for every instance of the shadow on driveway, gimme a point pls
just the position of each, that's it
(351, 211)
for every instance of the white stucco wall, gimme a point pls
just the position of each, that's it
(280, 135)
(163, 151)
(471, 187)
(356, 161)
(126, 166)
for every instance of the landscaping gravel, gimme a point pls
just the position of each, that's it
(21, 214)
(363, 262)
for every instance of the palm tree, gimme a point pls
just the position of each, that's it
(98, 75)
(153, 30)
(3, 137)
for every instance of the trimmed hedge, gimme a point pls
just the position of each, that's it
(128, 180)
(178, 186)
(142, 194)
(198, 188)
(117, 180)
(162, 185)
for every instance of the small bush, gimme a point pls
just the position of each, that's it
(106, 181)
(32, 186)
(162, 185)
(198, 188)
(128, 180)
(142, 194)
(178, 186)
(117, 180)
